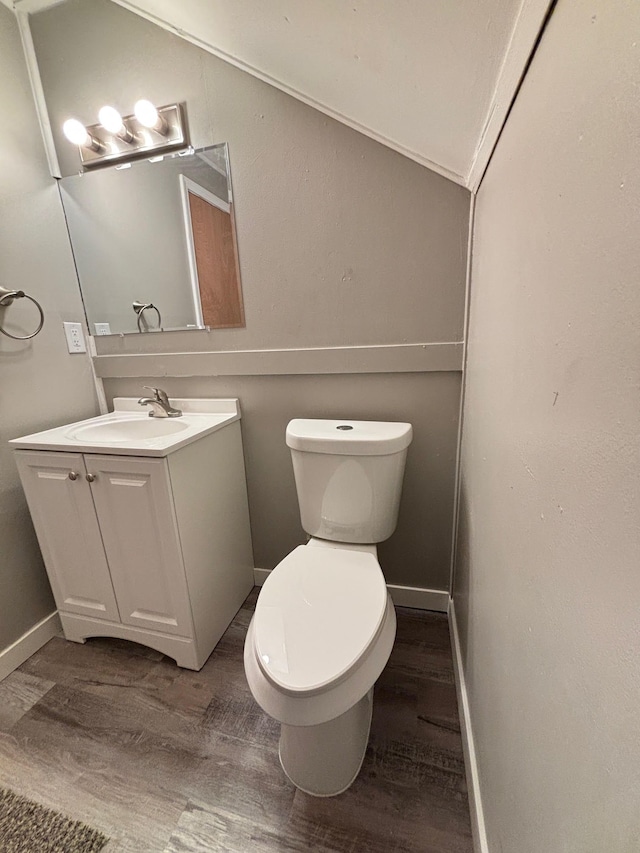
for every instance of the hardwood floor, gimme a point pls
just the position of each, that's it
(166, 760)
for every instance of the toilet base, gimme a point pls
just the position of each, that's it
(325, 759)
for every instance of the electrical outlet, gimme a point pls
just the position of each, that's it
(75, 337)
(102, 328)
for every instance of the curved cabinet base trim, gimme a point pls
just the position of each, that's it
(181, 649)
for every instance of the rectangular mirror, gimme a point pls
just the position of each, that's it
(155, 244)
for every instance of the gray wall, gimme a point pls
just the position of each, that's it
(40, 384)
(341, 242)
(547, 580)
(419, 549)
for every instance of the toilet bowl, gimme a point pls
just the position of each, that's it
(324, 623)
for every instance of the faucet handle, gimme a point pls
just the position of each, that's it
(158, 393)
(160, 405)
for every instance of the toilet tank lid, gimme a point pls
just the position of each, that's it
(348, 437)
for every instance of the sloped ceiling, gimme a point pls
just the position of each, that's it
(432, 79)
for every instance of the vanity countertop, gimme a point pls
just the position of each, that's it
(129, 431)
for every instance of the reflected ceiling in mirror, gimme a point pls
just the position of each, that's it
(155, 244)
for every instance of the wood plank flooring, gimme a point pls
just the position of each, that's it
(165, 760)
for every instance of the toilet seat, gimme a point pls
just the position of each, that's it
(311, 709)
(318, 615)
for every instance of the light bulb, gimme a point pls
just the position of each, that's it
(111, 120)
(76, 132)
(148, 116)
(146, 113)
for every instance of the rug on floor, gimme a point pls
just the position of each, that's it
(26, 827)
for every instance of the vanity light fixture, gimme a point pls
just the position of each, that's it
(149, 133)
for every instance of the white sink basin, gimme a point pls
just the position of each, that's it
(127, 429)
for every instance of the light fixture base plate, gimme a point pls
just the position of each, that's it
(146, 143)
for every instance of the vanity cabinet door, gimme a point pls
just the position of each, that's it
(134, 503)
(64, 517)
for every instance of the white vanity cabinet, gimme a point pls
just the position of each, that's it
(155, 550)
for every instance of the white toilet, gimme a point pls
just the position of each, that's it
(324, 623)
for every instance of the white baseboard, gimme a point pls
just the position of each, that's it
(402, 596)
(28, 644)
(421, 599)
(480, 844)
(260, 576)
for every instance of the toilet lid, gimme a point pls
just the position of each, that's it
(317, 614)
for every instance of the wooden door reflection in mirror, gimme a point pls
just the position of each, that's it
(213, 256)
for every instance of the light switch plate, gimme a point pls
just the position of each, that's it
(75, 337)
(102, 328)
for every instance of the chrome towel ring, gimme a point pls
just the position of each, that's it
(141, 307)
(6, 299)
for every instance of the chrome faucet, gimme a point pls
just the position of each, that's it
(160, 405)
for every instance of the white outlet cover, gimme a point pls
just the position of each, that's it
(75, 337)
(102, 328)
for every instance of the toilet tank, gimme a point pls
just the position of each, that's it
(348, 477)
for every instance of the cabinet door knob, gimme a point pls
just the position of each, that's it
(90, 478)
(73, 475)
